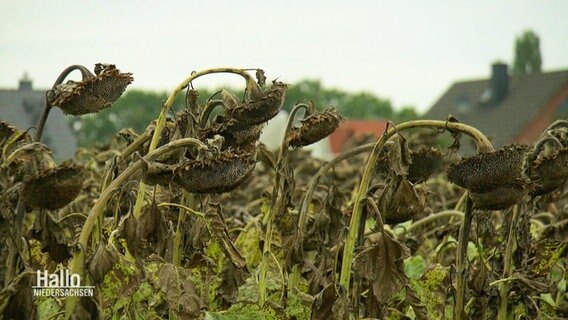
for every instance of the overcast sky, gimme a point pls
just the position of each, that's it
(407, 51)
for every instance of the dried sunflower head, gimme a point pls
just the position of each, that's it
(502, 197)
(550, 172)
(54, 188)
(424, 164)
(487, 171)
(218, 174)
(93, 93)
(314, 128)
(259, 110)
(235, 132)
(154, 173)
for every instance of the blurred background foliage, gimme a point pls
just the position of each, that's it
(136, 108)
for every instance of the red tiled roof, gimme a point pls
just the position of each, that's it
(355, 128)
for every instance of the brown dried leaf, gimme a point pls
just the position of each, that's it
(191, 101)
(219, 231)
(400, 201)
(229, 100)
(16, 298)
(157, 173)
(260, 77)
(102, 262)
(382, 265)
(322, 307)
(455, 146)
(180, 291)
(399, 155)
(148, 234)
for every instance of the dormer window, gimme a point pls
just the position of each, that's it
(463, 105)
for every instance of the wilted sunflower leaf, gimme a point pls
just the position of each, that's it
(382, 265)
(399, 155)
(154, 173)
(180, 291)
(103, 261)
(219, 231)
(147, 234)
(547, 254)
(16, 300)
(322, 307)
(400, 201)
(229, 100)
(260, 77)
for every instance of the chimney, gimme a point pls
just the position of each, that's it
(25, 83)
(499, 82)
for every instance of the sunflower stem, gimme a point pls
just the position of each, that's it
(78, 261)
(189, 201)
(508, 266)
(307, 199)
(463, 240)
(275, 204)
(483, 145)
(434, 217)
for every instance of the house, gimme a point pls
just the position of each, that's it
(506, 108)
(23, 107)
(355, 130)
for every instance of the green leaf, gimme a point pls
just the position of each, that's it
(431, 289)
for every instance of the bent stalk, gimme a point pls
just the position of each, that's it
(303, 214)
(78, 261)
(162, 120)
(483, 145)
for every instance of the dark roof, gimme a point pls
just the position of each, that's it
(23, 108)
(527, 94)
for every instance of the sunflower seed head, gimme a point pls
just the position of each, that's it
(91, 94)
(314, 128)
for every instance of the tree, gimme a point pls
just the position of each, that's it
(527, 54)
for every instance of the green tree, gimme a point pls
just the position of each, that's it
(361, 105)
(527, 54)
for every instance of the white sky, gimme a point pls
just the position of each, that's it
(407, 51)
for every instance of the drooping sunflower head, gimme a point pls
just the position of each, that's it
(92, 94)
(314, 128)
